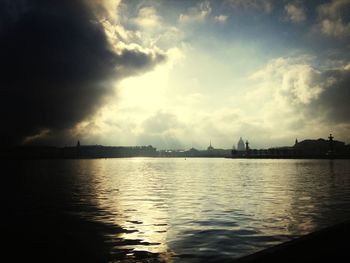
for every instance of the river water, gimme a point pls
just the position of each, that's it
(175, 209)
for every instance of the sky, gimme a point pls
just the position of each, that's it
(174, 74)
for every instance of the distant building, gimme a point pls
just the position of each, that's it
(210, 148)
(192, 152)
(240, 145)
(321, 147)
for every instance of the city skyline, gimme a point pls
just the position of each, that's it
(240, 145)
(174, 73)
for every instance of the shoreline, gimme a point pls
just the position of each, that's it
(343, 157)
(329, 244)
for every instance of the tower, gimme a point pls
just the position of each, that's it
(247, 148)
(77, 151)
(331, 143)
(210, 148)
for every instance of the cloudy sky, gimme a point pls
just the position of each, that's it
(174, 73)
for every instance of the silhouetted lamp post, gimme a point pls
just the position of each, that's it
(78, 149)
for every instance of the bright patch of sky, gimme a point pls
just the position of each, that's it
(268, 71)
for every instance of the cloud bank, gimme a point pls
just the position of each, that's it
(196, 14)
(333, 16)
(304, 98)
(295, 12)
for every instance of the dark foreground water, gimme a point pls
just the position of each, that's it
(172, 210)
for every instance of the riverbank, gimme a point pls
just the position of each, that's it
(327, 245)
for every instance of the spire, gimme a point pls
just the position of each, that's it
(210, 147)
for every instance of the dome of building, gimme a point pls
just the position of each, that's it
(240, 145)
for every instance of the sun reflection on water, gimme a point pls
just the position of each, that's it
(215, 206)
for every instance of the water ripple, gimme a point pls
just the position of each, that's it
(173, 210)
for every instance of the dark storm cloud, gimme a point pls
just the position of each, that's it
(56, 66)
(334, 100)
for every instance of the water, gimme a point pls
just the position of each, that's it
(175, 210)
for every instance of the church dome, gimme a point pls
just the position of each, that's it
(240, 145)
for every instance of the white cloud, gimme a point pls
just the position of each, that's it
(335, 28)
(110, 16)
(294, 97)
(284, 90)
(289, 79)
(221, 19)
(108, 9)
(331, 18)
(295, 13)
(148, 18)
(148, 28)
(196, 14)
(147, 31)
